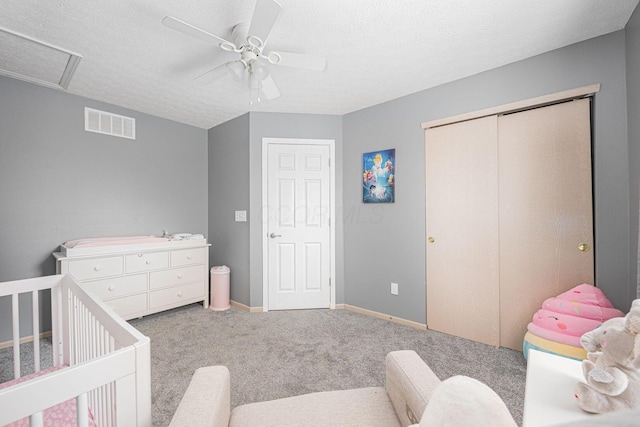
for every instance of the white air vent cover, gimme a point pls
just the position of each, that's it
(109, 123)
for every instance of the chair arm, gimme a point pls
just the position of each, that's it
(410, 383)
(207, 401)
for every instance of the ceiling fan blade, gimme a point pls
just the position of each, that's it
(213, 74)
(298, 60)
(264, 17)
(190, 30)
(269, 88)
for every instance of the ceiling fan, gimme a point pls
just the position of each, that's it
(249, 41)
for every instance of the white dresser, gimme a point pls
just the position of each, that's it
(140, 279)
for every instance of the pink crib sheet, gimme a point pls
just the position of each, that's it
(63, 414)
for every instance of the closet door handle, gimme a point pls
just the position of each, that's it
(583, 247)
(431, 240)
(274, 235)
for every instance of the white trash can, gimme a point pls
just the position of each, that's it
(220, 288)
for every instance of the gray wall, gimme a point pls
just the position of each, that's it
(58, 182)
(229, 192)
(632, 32)
(386, 243)
(281, 125)
(235, 157)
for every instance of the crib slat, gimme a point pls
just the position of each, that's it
(36, 331)
(37, 419)
(57, 334)
(82, 410)
(15, 313)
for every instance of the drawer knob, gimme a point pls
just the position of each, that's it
(140, 255)
(188, 256)
(97, 268)
(179, 294)
(179, 276)
(112, 288)
(148, 262)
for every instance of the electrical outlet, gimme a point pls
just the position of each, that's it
(394, 288)
(241, 216)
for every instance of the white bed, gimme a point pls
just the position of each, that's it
(107, 361)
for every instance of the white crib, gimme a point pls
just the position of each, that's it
(108, 361)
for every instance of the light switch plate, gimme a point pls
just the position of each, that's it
(241, 216)
(394, 288)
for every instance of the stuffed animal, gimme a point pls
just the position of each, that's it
(612, 368)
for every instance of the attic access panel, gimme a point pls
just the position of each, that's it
(34, 61)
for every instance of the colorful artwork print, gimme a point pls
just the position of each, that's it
(379, 176)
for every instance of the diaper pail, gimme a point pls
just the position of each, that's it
(220, 288)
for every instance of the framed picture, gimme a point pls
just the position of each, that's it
(379, 176)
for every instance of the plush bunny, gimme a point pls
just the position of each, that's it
(612, 370)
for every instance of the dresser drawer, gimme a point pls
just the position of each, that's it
(176, 276)
(119, 286)
(129, 307)
(175, 295)
(187, 257)
(146, 261)
(96, 268)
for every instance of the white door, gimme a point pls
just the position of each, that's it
(298, 229)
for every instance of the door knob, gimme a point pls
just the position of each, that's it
(431, 239)
(583, 247)
(274, 235)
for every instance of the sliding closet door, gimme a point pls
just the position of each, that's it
(546, 223)
(462, 229)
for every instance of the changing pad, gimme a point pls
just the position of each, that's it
(112, 241)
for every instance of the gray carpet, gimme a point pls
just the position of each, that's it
(286, 353)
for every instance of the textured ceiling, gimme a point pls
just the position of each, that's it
(376, 50)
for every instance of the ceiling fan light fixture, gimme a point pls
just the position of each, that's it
(236, 68)
(259, 71)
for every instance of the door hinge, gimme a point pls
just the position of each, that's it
(329, 281)
(329, 161)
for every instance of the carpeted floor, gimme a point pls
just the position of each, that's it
(286, 353)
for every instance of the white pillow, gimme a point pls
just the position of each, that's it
(462, 401)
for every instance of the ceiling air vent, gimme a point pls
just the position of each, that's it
(109, 123)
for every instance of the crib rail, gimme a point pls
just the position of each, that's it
(28, 286)
(108, 359)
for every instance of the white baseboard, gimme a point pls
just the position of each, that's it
(383, 316)
(23, 340)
